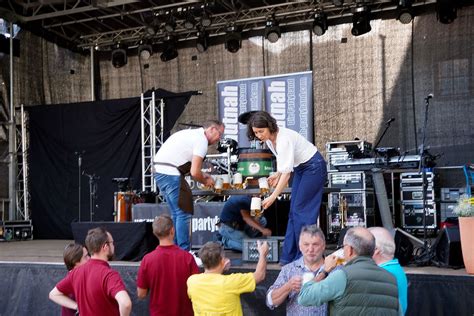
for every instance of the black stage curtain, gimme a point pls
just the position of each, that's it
(131, 240)
(108, 134)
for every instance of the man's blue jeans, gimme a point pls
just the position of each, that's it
(169, 189)
(233, 238)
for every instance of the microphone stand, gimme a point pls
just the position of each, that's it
(92, 193)
(79, 165)
(422, 169)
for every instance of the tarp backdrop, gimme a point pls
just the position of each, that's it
(108, 133)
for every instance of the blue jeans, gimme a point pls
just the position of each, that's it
(306, 196)
(169, 189)
(232, 238)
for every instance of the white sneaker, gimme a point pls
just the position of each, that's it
(196, 259)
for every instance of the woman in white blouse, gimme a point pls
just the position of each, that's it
(293, 154)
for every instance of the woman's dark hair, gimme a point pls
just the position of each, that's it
(261, 119)
(72, 255)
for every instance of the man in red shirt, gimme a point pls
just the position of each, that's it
(98, 289)
(164, 273)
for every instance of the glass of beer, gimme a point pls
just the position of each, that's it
(263, 185)
(225, 181)
(218, 184)
(238, 181)
(256, 207)
(340, 256)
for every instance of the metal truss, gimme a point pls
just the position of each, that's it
(152, 126)
(22, 176)
(103, 23)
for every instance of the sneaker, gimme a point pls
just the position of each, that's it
(196, 259)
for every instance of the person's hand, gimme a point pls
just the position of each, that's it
(268, 202)
(226, 264)
(330, 263)
(208, 181)
(266, 232)
(263, 248)
(273, 179)
(295, 283)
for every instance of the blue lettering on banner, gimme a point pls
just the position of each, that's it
(277, 90)
(230, 95)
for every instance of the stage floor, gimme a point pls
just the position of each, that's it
(51, 251)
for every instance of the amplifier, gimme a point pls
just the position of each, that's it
(350, 209)
(416, 177)
(350, 180)
(451, 194)
(341, 146)
(413, 194)
(250, 251)
(17, 230)
(413, 215)
(335, 158)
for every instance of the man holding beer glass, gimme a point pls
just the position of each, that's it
(293, 154)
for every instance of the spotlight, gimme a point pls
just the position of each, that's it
(320, 24)
(145, 51)
(201, 42)
(405, 15)
(206, 19)
(189, 21)
(233, 39)
(169, 52)
(446, 11)
(272, 30)
(119, 56)
(361, 21)
(170, 25)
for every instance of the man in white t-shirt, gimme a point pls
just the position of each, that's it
(182, 153)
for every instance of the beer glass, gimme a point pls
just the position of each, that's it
(238, 181)
(263, 185)
(225, 181)
(218, 184)
(256, 207)
(340, 256)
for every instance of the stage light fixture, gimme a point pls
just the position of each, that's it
(189, 20)
(405, 11)
(202, 41)
(206, 19)
(361, 21)
(170, 24)
(446, 11)
(119, 56)
(233, 39)
(169, 52)
(144, 50)
(320, 24)
(272, 30)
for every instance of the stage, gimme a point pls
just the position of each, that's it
(30, 269)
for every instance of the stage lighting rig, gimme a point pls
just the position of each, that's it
(119, 56)
(320, 23)
(145, 50)
(202, 41)
(169, 52)
(233, 39)
(361, 21)
(405, 11)
(272, 30)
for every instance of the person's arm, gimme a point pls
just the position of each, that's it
(329, 289)
(280, 294)
(261, 269)
(197, 174)
(124, 302)
(282, 182)
(249, 220)
(142, 293)
(61, 299)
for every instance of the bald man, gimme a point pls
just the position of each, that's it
(360, 287)
(384, 258)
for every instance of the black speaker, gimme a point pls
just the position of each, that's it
(448, 248)
(403, 248)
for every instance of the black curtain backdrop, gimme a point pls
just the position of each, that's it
(109, 135)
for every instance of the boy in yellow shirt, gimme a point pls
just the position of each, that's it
(213, 293)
